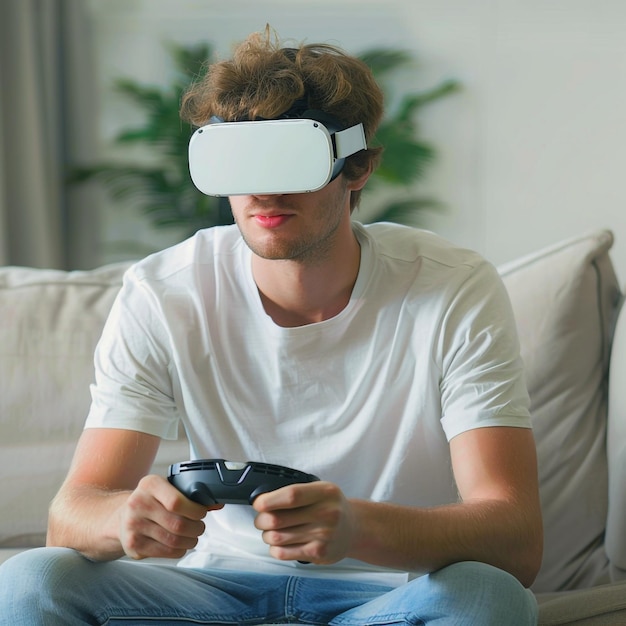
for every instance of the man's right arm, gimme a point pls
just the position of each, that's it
(109, 506)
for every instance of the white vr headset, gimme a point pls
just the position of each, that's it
(269, 156)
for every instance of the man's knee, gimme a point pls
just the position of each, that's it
(481, 589)
(29, 581)
(463, 594)
(37, 568)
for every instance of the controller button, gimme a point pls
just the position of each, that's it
(234, 465)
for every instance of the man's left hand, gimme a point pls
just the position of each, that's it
(312, 522)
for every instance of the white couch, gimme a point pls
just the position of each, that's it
(566, 299)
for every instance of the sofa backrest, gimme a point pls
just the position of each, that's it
(565, 299)
(51, 322)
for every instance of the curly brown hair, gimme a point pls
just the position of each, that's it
(264, 80)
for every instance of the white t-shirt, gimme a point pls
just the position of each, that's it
(426, 349)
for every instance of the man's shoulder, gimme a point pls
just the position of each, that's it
(409, 244)
(201, 249)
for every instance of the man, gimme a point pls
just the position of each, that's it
(382, 359)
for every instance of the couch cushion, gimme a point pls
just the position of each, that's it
(604, 605)
(565, 298)
(51, 321)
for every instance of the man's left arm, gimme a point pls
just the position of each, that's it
(496, 521)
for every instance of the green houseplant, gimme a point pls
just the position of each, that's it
(406, 157)
(161, 188)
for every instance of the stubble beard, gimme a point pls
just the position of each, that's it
(312, 247)
(306, 249)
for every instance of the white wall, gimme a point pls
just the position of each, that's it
(532, 150)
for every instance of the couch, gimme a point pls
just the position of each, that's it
(566, 299)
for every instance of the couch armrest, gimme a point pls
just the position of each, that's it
(615, 540)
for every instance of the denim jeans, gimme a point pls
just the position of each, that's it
(58, 586)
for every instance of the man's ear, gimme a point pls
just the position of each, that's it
(358, 183)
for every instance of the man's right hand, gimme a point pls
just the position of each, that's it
(110, 505)
(159, 521)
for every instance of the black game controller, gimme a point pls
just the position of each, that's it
(216, 481)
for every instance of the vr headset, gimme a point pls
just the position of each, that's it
(280, 156)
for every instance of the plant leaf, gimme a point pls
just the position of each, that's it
(384, 60)
(406, 211)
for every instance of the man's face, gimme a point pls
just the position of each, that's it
(301, 227)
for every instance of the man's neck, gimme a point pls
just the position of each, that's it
(297, 293)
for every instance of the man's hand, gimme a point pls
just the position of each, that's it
(158, 521)
(311, 522)
(110, 506)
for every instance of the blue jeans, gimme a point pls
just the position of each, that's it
(58, 586)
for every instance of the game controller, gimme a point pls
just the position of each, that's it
(217, 481)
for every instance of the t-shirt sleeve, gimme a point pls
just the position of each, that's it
(482, 377)
(133, 383)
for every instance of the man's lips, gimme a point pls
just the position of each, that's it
(272, 221)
